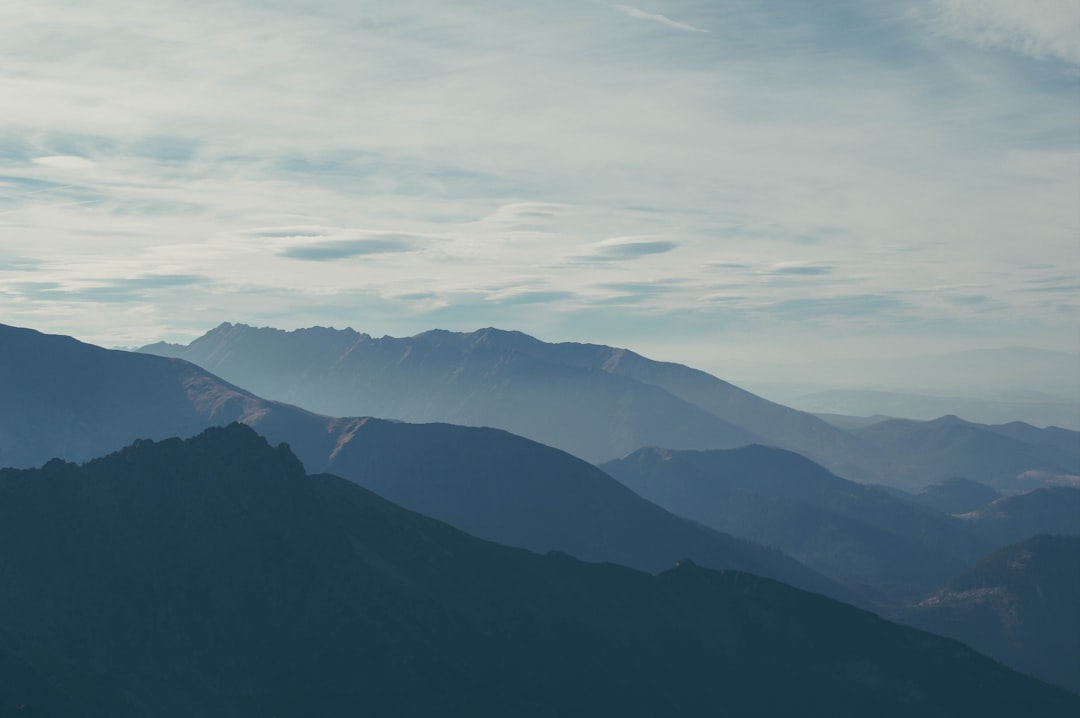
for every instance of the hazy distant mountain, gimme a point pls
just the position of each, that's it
(487, 378)
(854, 533)
(1033, 409)
(1019, 606)
(1052, 510)
(924, 452)
(597, 402)
(75, 401)
(214, 578)
(957, 495)
(1006, 375)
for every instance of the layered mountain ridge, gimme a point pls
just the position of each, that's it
(75, 401)
(602, 403)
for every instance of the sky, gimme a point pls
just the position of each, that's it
(714, 182)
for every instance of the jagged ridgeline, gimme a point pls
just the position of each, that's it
(213, 577)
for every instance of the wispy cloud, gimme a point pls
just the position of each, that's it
(382, 164)
(655, 17)
(64, 162)
(344, 249)
(1044, 29)
(800, 270)
(626, 248)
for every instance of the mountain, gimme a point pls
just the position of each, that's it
(1054, 510)
(594, 401)
(478, 379)
(76, 401)
(857, 534)
(1031, 407)
(213, 577)
(957, 495)
(1018, 606)
(512, 490)
(924, 452)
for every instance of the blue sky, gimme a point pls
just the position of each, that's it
(702, 181)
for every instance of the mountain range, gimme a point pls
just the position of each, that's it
(599, 403)
(74, 401)
(214, 577)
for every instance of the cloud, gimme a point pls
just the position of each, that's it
(1044, 29)
(627, 248)
(123, 290)
(64, 162)
(344, 249)
(805, 151)
(531, 296)
(796, 269)
(653, 17)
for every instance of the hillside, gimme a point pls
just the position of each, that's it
(1018, 606)
(213, 577)
(857, 534)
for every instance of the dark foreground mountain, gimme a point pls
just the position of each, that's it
(213, 577)
(597, 402)
(1019, 605)
(856, 534)
(75, 401)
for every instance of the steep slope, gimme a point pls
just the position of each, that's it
(471, 379)
(1054, 510)
(854, 533)
(1018, 606)
(212, 577)
(75, 401)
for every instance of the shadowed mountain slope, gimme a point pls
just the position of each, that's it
(1019, 605)
(212, 577)
(75, 401)
(854, 533)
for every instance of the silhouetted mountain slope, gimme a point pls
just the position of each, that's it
(473, 379)
(1019, 606)
(854, 533)
(924, 452)
(212, 577)
(1053, 510)
(496, 485)
(957, 495)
